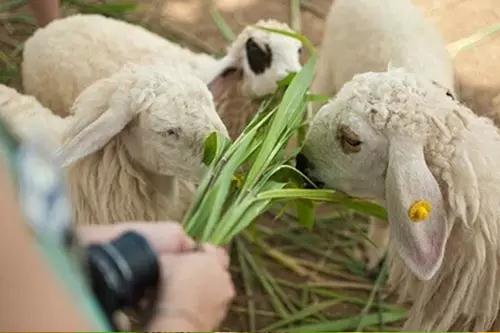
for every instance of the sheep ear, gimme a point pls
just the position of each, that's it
(93, 136)
(415, 207)
(101, 112)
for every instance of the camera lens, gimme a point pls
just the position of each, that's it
(122, 272)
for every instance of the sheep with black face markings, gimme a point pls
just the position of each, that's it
(71, 53)
(400, 140)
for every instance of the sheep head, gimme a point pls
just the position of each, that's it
(162, 117)
(378, 139)
(259, 59)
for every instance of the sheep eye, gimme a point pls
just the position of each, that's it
(349, 140)
(449, 94)
(301, 50)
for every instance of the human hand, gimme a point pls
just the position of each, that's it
(164, 237)
(196, 286)
(197, 290)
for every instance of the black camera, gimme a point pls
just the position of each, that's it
(124, 276)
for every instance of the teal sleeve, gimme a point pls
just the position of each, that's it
(46, 208)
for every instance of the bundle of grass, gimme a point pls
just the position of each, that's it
(246, 177)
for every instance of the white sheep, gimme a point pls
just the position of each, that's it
(371, 36)
(134, 146)
(368, 36)
(71, 53)
(402, 141)
(29, 119)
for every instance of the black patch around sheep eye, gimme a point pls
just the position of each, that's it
(259, 59)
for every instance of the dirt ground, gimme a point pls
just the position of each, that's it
(478, 68)
(189, 22)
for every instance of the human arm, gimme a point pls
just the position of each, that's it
(33, 298)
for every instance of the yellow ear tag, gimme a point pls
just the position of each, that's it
(420, 211)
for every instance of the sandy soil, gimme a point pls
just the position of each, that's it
(478, 68)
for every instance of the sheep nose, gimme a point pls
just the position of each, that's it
(302, 163)
(304, 166)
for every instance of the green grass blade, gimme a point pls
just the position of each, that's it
(318, 98)
(221, 24)
(248, 285)
(215, 145)
(190, 220)
(295, 19)
(218, 193)
(20, 18)
(115, 9)
(332, 196)
(469, 42)
(302, 314)
(261, 276)
(292, 98)
(239, 217)
(305, 213)
(378, 283)
(350, 323)
(304, 40)
(11, 5)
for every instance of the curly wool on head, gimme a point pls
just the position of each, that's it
(394, 102)
(449, 265)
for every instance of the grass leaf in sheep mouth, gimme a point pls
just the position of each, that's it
(302, 38)
(246, 177)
